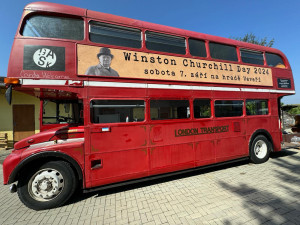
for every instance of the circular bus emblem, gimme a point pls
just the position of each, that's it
(44, 57)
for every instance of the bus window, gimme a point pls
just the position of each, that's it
(54, 27)
(256, 107)
(220, 51)
(252, 57)
(165, 43)
(115, 35)
(274, 60)
(117, 111)
(60, 112)
(202, 108)
(169, 109)
(197, 47)
(228, 108)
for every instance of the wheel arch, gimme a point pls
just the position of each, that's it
(42, 157)
(261, 132)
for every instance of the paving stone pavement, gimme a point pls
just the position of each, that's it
(239, 193)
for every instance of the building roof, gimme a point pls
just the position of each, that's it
(2, 84)
(290, 106)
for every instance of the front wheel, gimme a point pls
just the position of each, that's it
(47, 186)
(260, 149)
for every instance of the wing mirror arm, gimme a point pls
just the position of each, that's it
(8, 94)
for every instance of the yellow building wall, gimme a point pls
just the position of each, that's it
(6, 112)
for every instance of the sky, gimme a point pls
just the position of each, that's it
(231, 18)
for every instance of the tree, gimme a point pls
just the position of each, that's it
(295, 111)
(251, 38)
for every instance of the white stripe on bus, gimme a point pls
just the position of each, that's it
(152, 86)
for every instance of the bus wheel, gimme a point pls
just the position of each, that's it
(260, 149)
(47, 186)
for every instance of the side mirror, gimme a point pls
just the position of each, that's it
(8, 94)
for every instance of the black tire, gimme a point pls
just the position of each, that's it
(55, 184)
(260, 149)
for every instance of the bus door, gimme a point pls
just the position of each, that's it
(229, 127)
(118, 141)
(170, 141)
(205, 151)
(264, 113)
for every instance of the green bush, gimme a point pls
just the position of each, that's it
(295, 111)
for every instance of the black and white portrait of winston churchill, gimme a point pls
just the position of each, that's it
(103, 68)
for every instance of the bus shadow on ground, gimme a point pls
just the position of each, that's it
(154, 181)
(273, 206)
(283, 153)
(82, 196)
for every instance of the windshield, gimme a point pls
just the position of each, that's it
(62, 112)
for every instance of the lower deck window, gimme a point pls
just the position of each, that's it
(257, 107)
(202, 108)
(169, 109)
(228, 108)
(117, 111)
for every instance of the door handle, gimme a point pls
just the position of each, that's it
(96, 164)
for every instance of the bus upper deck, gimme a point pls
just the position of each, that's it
(63, 43)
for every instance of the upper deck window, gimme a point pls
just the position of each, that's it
(54, 27)
(115, 35)
(252, 57)
(274, 60)
(165, 43)
(220, 51)
(197, 48)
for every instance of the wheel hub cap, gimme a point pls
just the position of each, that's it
(46, 184)
(260, 149)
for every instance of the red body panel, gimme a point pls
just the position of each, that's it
(67, 140)
(134, 150)
(9, 164)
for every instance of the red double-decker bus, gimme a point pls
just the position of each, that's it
(123, 100)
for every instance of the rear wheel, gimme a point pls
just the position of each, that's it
(47, 186)
(260, 149)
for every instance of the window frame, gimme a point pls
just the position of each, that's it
(115, 26)
(168, 119)
(32, 14)
(167, 36)
(90, 119)
(228, 45)
(252, 51)
(275, 66)
(226, 117)
(201, 40)
(58, 114)
(210, 105)
(256, 115)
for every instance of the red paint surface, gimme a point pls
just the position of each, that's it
(145, 148)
